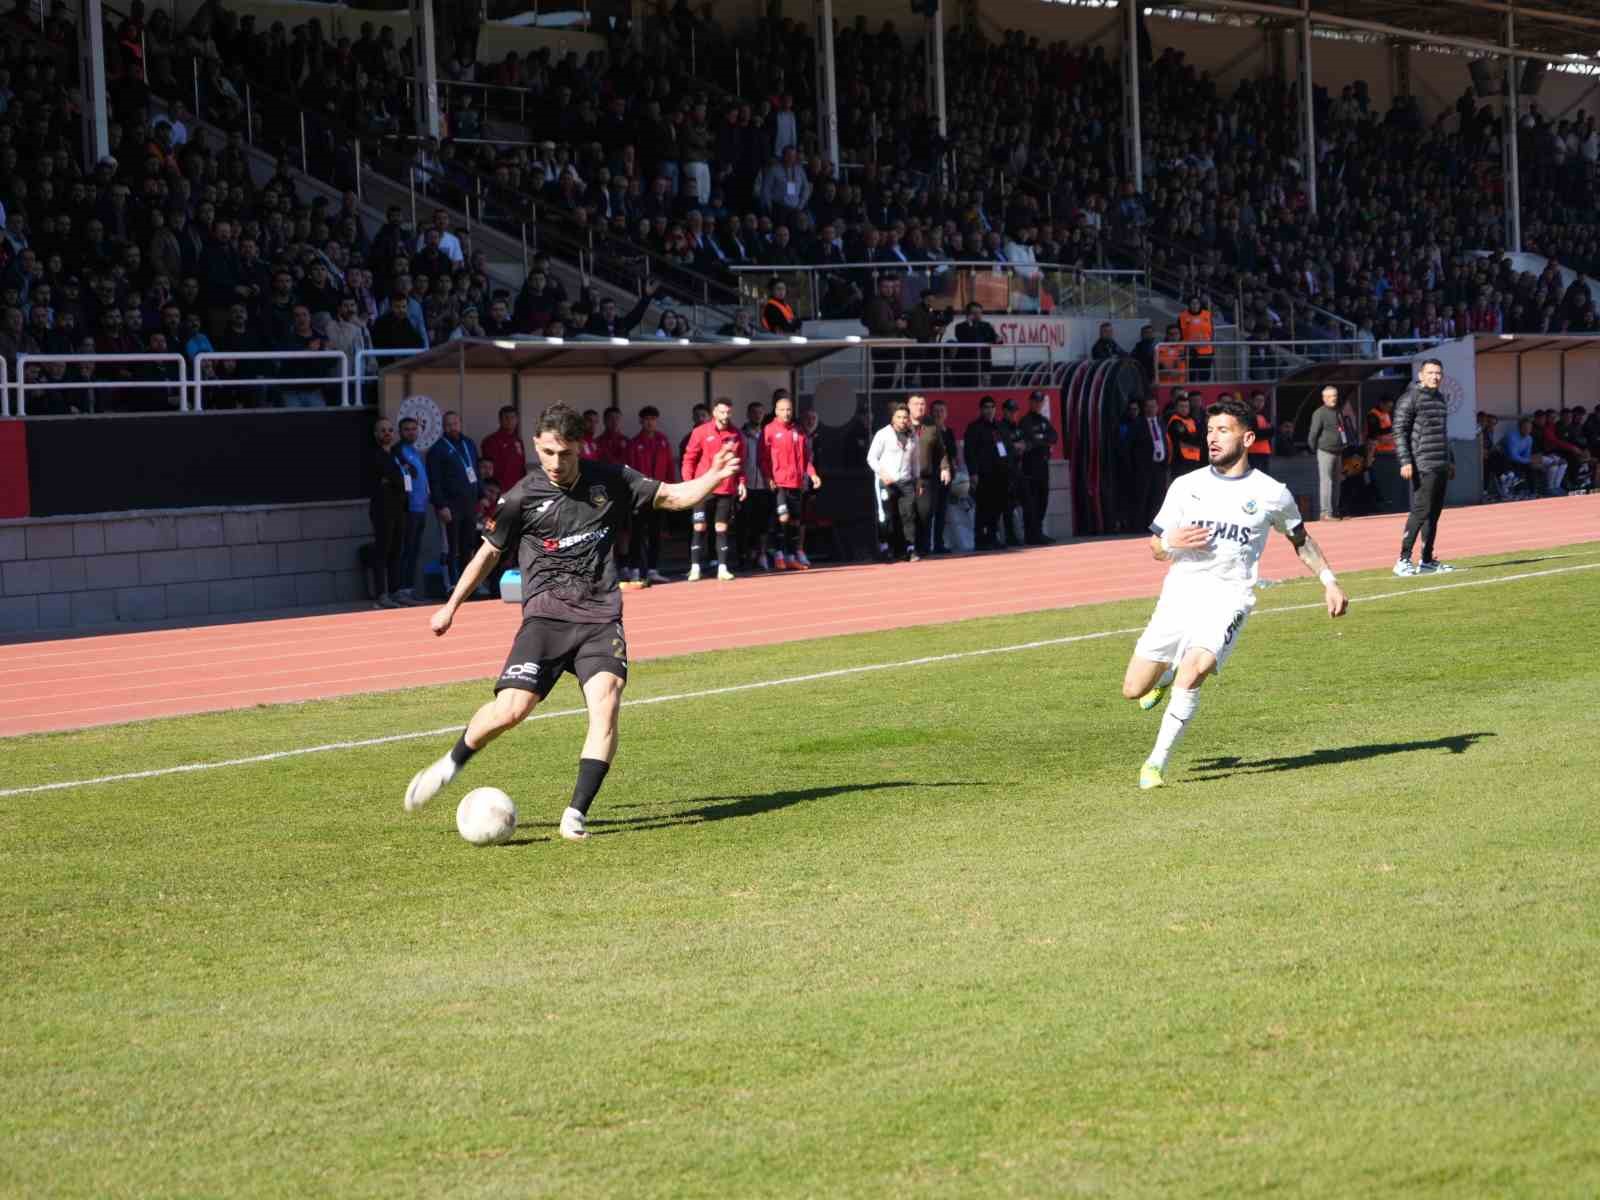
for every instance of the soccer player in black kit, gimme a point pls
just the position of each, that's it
(563, 519)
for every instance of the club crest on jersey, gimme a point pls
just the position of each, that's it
(598, 496)
(1251, 508)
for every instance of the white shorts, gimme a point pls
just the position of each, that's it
(1188, 622)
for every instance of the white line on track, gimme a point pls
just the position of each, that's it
(708, 693)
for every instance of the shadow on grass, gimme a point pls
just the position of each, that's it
(722, 808)
(1229, 766)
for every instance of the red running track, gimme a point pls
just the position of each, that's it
(61, 684)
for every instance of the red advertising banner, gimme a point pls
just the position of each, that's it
(13, 469)
(963, 405)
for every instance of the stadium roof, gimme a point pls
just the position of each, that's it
(578, 356)
(1565, 33)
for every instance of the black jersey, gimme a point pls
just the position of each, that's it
(564, 538)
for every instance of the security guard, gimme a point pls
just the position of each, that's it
(1261, 448)
(1012, 432)
(1188, 443)
(1038, 435)
(1197, 327)
(1172, 361)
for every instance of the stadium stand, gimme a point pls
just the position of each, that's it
(604, 158)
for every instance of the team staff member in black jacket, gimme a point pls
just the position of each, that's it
(388, 486)
(1423, 450)
(1038, 435)
(984, 446)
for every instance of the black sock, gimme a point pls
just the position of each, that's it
(461, 752)
(591, 774)
(723, 556)
(697, 546)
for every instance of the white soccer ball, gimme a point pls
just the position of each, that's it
(486, 816)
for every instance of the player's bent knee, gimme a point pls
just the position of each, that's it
(513, 705)
(1131, 690)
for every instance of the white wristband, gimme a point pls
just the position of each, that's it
(1327, 576)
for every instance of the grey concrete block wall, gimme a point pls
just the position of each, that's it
(124, 568)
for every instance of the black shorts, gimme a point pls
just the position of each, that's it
(717, 510)
(545, 647)
(789, 501)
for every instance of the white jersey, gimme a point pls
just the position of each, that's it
(1240, 511)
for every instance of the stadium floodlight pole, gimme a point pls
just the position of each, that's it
(92, 71)
(827, 95)
(1130, 94)
(1308, 117)
(425, 66)
(1511, 115)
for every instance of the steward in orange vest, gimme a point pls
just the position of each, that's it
(1380, 426)
(1186, 438)
(1261, 448)
(1195, 324)
(1172, 361)
(776, 314)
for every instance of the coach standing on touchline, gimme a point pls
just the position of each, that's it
(1423, 449)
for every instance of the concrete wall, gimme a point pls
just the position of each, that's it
(126, 568)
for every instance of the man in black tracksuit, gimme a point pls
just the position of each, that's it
(1423, 450)
(985, 450)
(1038, 435)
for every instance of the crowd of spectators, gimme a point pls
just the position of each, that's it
(664, 175)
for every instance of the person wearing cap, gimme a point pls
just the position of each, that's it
(470, 326)
(1038, 435)
(1011, 429)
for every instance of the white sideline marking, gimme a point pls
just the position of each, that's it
(707, 693)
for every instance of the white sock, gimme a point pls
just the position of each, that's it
(1167, 677)
(1180, 707)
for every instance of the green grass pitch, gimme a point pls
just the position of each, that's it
(911, 932)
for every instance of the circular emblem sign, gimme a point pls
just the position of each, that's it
(430, 421)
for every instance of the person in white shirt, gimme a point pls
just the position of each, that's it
(1212, 528)
(894, 459)
(449, 243)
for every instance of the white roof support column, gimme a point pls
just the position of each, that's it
(92, 63)
(827, 85)
(1512, 114)
(1132, 135)
(1308, 120)
(425, 69)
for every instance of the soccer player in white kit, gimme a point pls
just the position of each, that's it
(1212, 528)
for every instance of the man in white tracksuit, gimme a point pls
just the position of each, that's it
(894, 459)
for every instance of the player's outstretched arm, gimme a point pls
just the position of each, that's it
(1311, 554)
(477, 571)
(676, 497)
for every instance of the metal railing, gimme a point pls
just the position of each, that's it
(890, 367)
(178, 385)
(297, 386)
(1181, 363)
(836, 290)
(1406, 347)
(5, 391)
